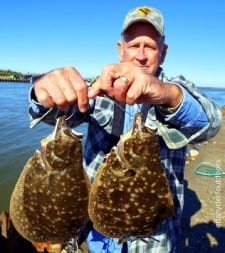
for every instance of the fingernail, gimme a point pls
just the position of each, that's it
(83, 109)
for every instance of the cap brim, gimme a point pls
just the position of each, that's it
(137, 20)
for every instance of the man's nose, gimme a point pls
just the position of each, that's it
(141, 54)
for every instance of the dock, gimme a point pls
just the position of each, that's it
(15, 80)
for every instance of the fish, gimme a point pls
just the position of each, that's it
(130, 195)
(49, 202)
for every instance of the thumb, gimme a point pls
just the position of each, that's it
(95, 89)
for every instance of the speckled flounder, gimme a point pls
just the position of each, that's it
(130, 195)
(50, 198)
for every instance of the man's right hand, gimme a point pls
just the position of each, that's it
(62, 88)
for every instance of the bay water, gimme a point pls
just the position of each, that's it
(18, 142)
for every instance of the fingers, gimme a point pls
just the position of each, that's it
(79, 90)
(95, 88)
(49, 93)
(111, 83)
(121, 88)
(116, 90)
(81, 95)
(124, 82)
(103, 85)
(43, 97)
(62, 87)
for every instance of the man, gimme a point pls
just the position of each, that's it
(138, 82)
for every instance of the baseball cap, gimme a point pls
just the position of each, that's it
(144, 14)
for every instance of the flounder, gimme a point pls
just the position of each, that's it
(50, 199)
(130, 195)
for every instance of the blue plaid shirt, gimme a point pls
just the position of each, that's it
(197, 119)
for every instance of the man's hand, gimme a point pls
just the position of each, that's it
(62, 87)
(129, 83)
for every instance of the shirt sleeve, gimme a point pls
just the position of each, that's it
(195, 113)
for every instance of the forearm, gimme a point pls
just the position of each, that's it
(171, 98)
(197, 117)
(187, 117)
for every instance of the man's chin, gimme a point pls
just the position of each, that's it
(147, 70)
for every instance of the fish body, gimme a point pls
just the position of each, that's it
(50, 199)
(130, 195)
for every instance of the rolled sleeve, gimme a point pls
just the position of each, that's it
(198, 117)
(189, 117)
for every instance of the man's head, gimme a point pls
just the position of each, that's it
(143, 38)
(144, 14)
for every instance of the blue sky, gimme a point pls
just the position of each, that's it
(37, 36)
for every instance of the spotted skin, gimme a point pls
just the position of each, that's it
(50, 198)
(130, 195)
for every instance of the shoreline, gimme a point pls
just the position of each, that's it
(15, 81)
(203, 220)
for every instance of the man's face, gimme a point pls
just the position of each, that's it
(143, 46)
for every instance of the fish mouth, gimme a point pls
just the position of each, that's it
(62, 124)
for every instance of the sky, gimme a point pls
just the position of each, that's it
(38, 36)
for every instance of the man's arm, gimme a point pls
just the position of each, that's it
(197, 116)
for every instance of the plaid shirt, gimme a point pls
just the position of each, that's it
(197, 119)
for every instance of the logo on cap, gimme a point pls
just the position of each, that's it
(144, 11)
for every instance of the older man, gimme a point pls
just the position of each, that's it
(136, 83)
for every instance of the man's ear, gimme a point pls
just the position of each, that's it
(120, 50)
(163, 53)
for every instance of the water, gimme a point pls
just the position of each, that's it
(217, 94)
(18, 142)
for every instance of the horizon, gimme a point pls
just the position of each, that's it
(222, 86)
